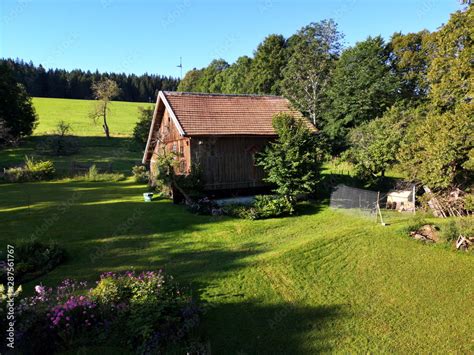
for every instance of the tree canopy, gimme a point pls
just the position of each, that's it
(17, 114)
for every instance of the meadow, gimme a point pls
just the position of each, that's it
(76, 112)
(321, 281)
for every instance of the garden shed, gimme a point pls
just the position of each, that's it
(219, 133)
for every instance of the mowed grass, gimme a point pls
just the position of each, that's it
(323, 281)
(119, 153)
(122, 119)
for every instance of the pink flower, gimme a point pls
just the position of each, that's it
(39, 289)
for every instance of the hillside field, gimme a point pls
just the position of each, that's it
(123, 116)
(321, 281)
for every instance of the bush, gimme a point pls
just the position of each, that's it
(33, 259)
(144, 312)
(140, 174)
(270, 206)
(265, 206)
(450, 231)
(94, 175)
(61, 143)
(31, 171)
(414, 224)
(142, 127)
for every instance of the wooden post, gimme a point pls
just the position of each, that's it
(414, 198)
(378, 208)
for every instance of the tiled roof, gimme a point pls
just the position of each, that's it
(216, 114)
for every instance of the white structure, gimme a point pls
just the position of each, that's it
(401, 200)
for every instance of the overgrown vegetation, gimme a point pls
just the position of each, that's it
(32, 170)
(142, 312)
(33, 259)
(93, 174)
(140, 174)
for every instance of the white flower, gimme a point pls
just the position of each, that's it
(39, 289)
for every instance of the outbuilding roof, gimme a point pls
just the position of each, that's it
(196, 114)
(218, 114)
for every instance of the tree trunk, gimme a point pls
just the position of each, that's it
(105, 125)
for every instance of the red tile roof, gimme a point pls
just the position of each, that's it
(216, 114)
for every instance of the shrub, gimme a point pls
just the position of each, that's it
(31, 171)
(144, 312)
(265, 206)
(61, 143)
(153, 309)
(270, 206)
(140, 174)
(449, 231)
(33, 259)
(415, 223)
(142, 127)
(39, 170)
(95, 175)
(18, 174)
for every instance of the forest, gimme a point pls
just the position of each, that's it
(76, 84)
(403, 102)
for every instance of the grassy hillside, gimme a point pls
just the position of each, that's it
(122, 119)
(94, 147)
(321, 281)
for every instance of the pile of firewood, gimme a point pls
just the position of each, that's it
(463, 243)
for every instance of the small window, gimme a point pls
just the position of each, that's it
(175, 147)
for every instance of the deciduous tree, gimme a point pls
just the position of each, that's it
(104, 91)
(314, 50)
(293, 161)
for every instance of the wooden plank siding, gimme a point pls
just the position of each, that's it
(228, 162)
(170, 139)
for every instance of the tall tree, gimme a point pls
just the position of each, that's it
(438, 148)
(374, 144)
(17, 115)
(409, 57)
(236, 78)
(104, 91)
(267, 66)
(363, 87)
(314, 50)
(450, 71)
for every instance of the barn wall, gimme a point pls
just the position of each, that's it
(171, 141)
(228, 162)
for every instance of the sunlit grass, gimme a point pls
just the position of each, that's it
(320, 281)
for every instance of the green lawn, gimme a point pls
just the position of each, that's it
(123, 116)
(321, 281)
(118, 151)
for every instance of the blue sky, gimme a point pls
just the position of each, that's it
(149, 36)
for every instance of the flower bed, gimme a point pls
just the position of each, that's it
(145, 312)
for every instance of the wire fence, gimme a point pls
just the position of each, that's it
(357, 200)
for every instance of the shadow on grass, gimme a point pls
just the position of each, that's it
(253, 328)
(120, 152)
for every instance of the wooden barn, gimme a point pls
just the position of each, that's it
(220, 133)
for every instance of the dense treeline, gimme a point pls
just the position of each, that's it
(405, 102)
(76, 84)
